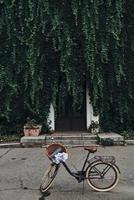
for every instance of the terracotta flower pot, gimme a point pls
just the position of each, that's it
(35, 131)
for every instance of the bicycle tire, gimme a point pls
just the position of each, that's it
(48, 177)
(94, 171)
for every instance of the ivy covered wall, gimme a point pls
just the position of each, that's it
(78, 41)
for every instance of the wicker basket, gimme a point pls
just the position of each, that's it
(54, 147)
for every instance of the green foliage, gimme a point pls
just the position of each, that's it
(10, 138)
(57, 47)
(128, 135)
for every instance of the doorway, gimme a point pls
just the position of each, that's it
(70, 116)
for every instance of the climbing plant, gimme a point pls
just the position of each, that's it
(59, 47)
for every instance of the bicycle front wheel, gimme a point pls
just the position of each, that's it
(102, 176)
(48, 177)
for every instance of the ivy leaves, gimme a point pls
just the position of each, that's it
(89, 43)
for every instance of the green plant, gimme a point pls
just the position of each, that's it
(55, 47)
(10, 138)
(47, 128)
(31, 124)
(106, 142)
(94, 127)
(128, 135)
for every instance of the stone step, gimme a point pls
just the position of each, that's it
(63, 139)
(84, 139)
(71, 137)
(114, 138)
(73, 142)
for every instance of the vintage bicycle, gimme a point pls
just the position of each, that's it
(100, 172)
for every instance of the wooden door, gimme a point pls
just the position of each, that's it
(70, 117)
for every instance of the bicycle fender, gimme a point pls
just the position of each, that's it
(117, 168)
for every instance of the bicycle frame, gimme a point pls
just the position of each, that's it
(79, 175)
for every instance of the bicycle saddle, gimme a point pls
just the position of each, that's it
(92, 149)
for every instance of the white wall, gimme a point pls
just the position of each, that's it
(89, 110)
(51, 118)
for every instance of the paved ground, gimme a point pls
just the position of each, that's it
(21, 171)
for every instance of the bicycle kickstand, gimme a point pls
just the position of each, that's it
(83, 188)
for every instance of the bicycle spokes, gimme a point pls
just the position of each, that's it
(102, 176)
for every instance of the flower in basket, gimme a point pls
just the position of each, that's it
(32, 128)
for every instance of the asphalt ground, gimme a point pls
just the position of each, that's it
(21, 170)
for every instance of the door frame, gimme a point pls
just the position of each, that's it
(89, 113)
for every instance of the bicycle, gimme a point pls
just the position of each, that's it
(100, 172)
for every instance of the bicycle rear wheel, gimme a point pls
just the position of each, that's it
(102, 176)
(48, 177)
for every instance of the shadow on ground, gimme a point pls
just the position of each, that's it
(45, 194)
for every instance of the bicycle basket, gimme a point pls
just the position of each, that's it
(52, 148)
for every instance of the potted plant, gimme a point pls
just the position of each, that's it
(94, 127)
(32, 128)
